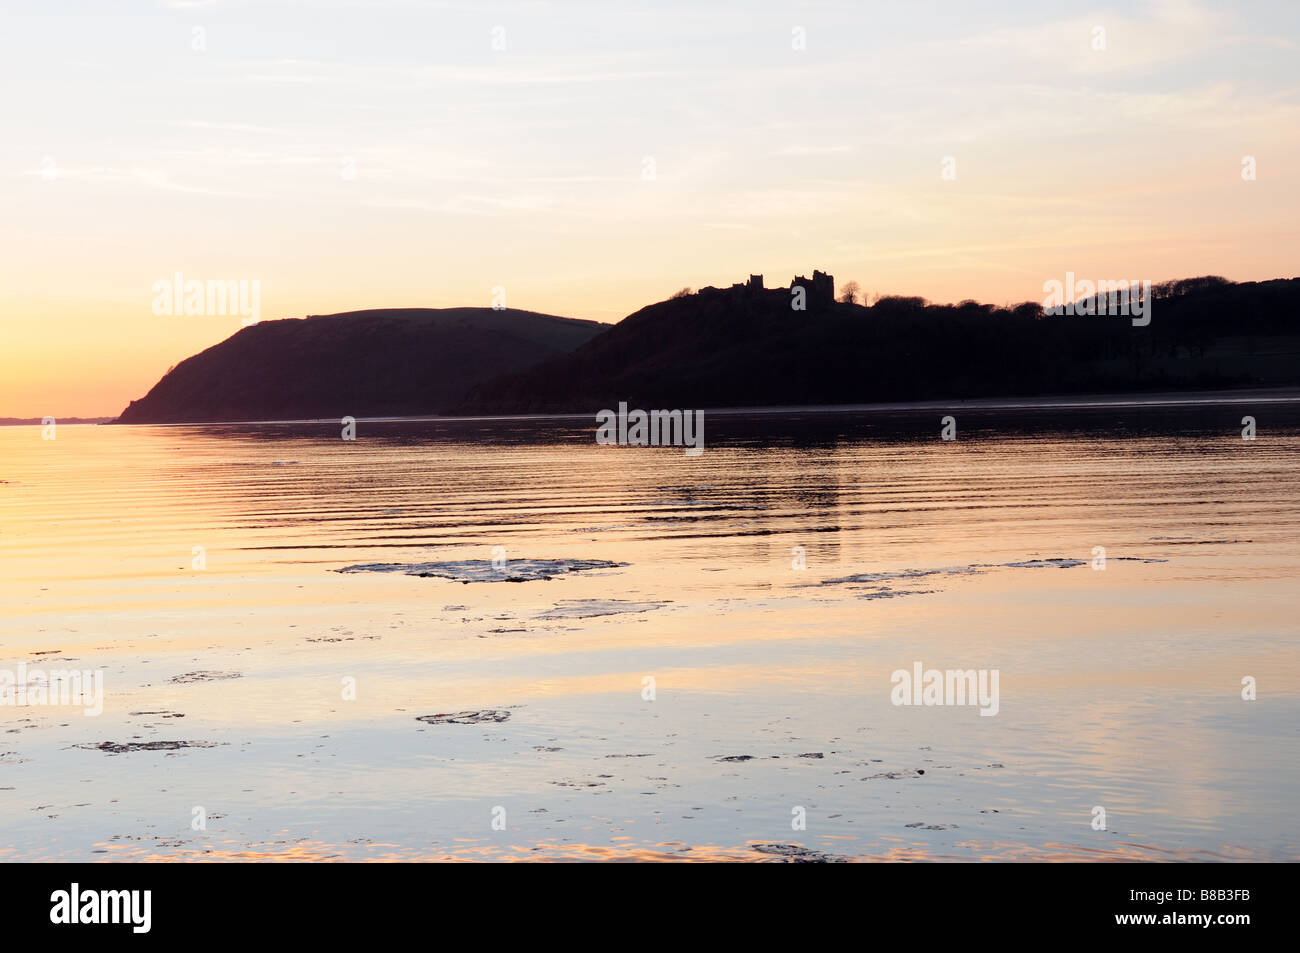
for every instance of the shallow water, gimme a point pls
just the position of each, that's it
(1119, 688)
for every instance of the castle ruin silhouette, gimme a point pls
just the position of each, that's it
(819, 290)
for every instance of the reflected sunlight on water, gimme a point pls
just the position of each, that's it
(1119, 688)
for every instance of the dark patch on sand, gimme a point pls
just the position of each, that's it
(896, 775)
(878, 583)
(592, 608)
(894, 593)
(482, 716)
(112, 747)
(797, 854)
(866, 577)
(482, 570)
(1057, 562)
(190, 677)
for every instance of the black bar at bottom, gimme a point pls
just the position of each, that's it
(332, 902)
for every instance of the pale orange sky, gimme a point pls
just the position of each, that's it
(349, 158)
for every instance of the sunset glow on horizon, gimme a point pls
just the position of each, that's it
(590, 161)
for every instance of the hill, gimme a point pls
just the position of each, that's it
(745, 346)
(386, 362)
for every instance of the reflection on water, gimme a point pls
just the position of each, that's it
(163, 554)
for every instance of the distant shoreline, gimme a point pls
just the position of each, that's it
(1273, 395)
(40, 421)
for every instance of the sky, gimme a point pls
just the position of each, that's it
(589, 158)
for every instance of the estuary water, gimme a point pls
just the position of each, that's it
(494, 639)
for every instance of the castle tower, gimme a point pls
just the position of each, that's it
(823, 289)
(820, 290)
